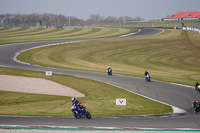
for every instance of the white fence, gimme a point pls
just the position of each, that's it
(190, 28)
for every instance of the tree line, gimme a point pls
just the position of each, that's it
(47, 19)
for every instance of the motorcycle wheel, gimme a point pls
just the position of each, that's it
(76, 114)
(148, 80)
(88, 115)
(197, 89)
(196, 110)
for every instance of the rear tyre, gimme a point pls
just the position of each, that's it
(196, 110)
(88, 115)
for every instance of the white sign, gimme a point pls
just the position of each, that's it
(120, 101)
(48, 73)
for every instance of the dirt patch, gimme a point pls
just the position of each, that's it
(36, 86)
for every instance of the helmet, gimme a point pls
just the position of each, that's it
(73, 99)
(194, 101)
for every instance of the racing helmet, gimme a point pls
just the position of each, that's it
(73, 99)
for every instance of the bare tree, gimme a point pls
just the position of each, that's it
(47, 19)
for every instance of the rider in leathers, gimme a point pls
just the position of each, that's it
(76, 102)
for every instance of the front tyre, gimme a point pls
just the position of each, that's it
(88, 115)
(76, 114)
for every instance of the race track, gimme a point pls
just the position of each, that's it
(172, 94)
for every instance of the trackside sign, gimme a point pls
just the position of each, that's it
(120, 101)
(48, 73)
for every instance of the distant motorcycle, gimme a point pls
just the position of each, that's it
(109, 71)
(196, 106)
(147, 78)
(197, 88)
(78, 112)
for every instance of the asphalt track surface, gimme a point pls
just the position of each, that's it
(175, 95)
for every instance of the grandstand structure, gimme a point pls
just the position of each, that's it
(183, 16)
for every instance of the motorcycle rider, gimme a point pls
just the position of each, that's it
(109, 68)
(76, 102)
(196, 85)
(194, 103)
(146, 73)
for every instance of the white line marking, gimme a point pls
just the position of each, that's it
(94, 127)
(175, 109)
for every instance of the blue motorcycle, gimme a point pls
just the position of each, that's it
(109, 71)
(147, 78)
(79, 112)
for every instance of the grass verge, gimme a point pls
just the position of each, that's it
(171, 56)
(17, 35)
(99, 98)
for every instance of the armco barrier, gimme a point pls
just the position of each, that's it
(190, 28)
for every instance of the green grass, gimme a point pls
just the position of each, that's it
(16, 35)
(164, 24)
(172, 56)
(99, 98)
(170, 24)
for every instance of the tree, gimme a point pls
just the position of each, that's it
(47, 19)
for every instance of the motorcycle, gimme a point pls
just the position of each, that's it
(196, 106)
(78, 112)
(147, 77)
(197, 88)
(109, 71)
